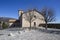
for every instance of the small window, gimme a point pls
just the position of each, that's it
(34, 16)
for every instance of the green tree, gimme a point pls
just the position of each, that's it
(4, 25)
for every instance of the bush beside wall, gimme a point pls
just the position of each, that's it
(4, 25)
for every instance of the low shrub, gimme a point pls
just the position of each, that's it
(4, 25)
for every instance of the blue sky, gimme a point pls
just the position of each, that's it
(9, 8)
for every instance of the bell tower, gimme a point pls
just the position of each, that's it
(20, 13)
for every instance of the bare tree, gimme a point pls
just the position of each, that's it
(48, 16)
(29, 17)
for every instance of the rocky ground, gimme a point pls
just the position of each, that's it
(38, 34)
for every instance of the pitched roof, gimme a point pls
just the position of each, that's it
(34, 10)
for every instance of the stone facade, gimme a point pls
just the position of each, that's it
(37, 18)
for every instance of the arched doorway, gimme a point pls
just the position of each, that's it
(34, 24)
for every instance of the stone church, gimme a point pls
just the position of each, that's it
(31, 16)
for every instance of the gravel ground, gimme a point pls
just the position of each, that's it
(17, 34)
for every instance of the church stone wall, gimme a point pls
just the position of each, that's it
(38, 20)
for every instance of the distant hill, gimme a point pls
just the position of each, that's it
(5, 19)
